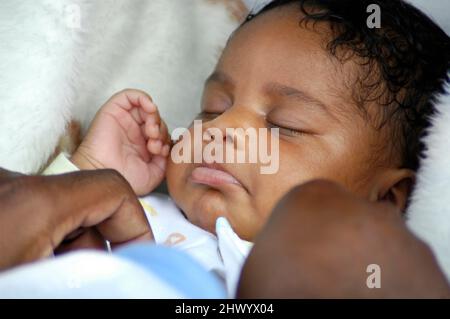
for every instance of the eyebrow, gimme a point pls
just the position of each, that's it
(221, 78)
(301, 96)
(273, 88)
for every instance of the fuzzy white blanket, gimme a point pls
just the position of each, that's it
(60, 60)
(429, 212)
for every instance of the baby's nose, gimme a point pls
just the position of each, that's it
(217, 135)
(233, 127)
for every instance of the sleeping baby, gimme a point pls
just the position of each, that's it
(336, 100)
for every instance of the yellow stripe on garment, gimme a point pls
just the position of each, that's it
(148, 208)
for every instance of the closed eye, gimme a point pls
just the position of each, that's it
(287, 131)
(207, 116)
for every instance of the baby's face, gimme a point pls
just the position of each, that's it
(274, 73)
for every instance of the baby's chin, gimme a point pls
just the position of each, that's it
(203, 204)
(204, 207)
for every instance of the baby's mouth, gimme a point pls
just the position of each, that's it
(213, 175)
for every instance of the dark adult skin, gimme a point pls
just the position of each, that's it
(39, 213)
(309, 248)
(321, 238)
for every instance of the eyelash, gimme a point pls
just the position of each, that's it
(286, 130)
(207, 115)
(204, 115)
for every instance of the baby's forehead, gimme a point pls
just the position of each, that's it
(277, 38)
(317, 74)
(297, 55)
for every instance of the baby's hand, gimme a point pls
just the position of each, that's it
(127, 135)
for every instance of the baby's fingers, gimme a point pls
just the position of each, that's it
(165, 137)
(157, 129)
(147, 104)
(159, 139)
(132, 102)
(129, 98)
(152, 130)
(155, 146)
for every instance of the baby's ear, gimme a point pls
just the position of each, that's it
(395, 186)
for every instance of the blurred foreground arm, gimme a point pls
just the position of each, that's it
(320, 242)
(38, 212)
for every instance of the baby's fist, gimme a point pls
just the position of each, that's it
(127, 135)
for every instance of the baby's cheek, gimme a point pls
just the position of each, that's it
(173, 183)
(270, 189)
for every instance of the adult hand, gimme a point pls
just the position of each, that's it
(320, 241)
(39, 212)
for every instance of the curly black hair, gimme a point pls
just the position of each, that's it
(405, 61)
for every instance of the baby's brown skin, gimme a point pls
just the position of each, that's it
(312, 248)
(274, 73)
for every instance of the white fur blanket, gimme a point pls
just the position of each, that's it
(61, 60)
(429, 212)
